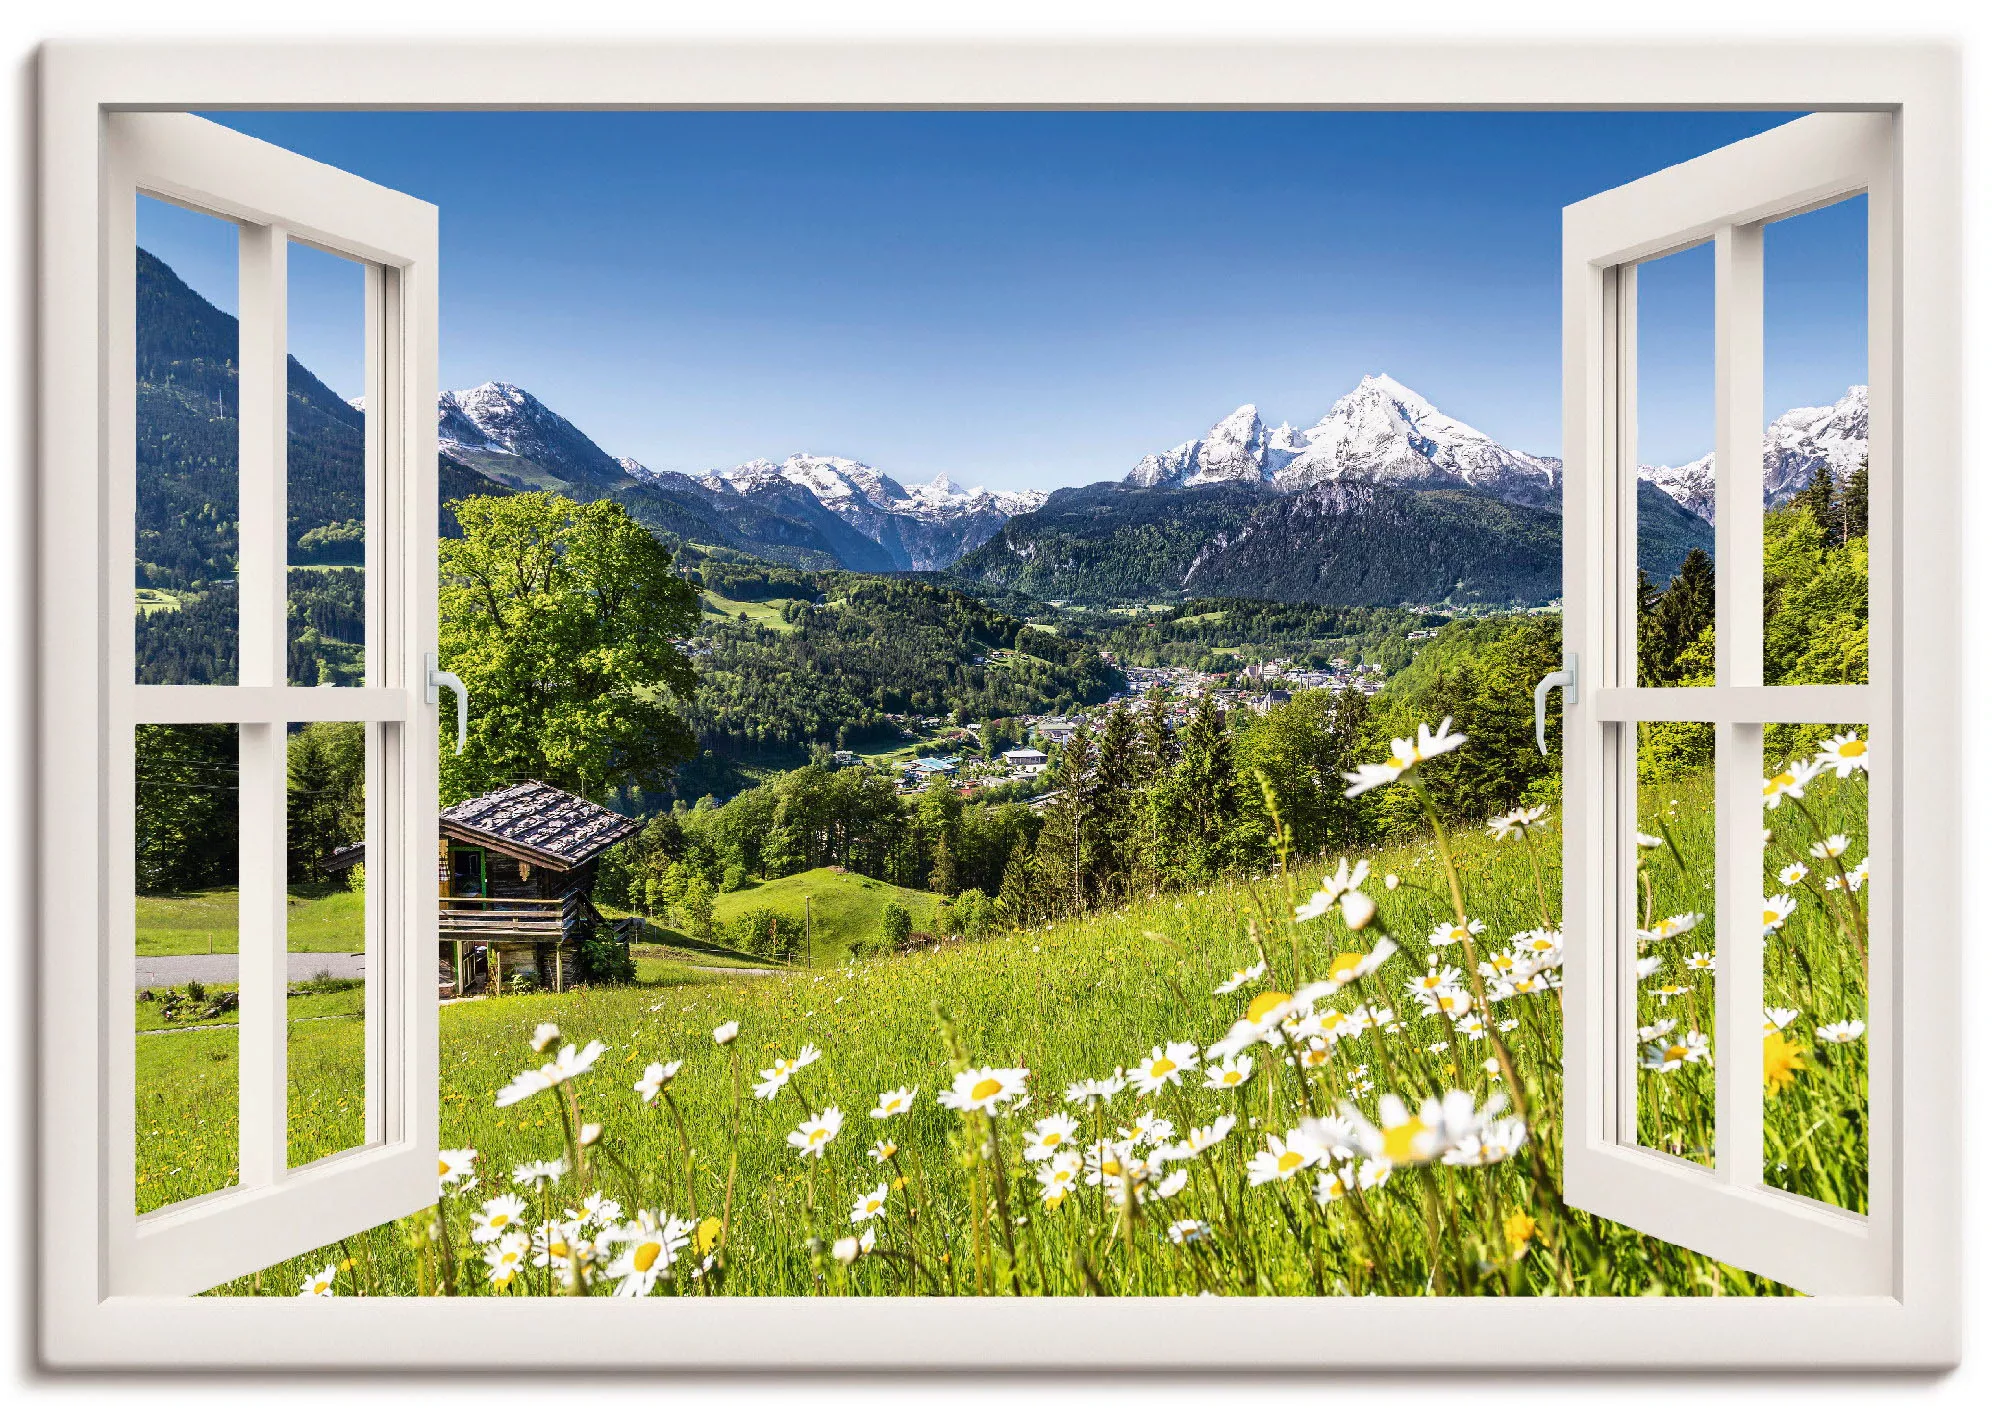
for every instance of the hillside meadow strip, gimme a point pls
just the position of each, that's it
(1294, 1085)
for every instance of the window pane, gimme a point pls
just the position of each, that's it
(1674, 403)
(326, 471)
(1816, 447)
(185, 868)
(1674, 998)
(326, 939)
(1816, 962)
(185, 417)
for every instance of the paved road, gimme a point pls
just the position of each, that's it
(168, 970)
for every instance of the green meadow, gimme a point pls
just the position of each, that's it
(317, 921)
(1082, 1000)
(846, 906)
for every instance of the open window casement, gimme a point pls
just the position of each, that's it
(1721, 1204)
(279, 204)
(114, 1282)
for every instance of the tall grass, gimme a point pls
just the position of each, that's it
(1404, 1153)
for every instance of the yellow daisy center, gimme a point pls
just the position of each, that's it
(1265, 1003)
(1231, 1078)
(1162, 1066)
(1399, 1142)
(1113, 1168)
(644, 1256)
(1853, 748)
(1346, 963)
(986, 1089)
(1289, 1161)
(1675, 1052)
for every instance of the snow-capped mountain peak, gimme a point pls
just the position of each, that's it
(1381, 432)
(1796, 445)
(506, 432)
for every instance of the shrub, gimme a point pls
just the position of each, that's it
(604, 960)
(895, 925)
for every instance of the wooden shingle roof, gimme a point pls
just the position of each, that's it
(536, 823)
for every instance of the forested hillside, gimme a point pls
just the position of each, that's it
(1216, 633)
(847, 651)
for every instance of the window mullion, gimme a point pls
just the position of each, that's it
(1739, 662)
(262, 593)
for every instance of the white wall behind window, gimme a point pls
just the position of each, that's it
(24, 25)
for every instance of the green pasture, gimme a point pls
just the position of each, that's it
(846, 907)
(317, 921)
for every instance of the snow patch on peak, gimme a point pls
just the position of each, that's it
(1380, 432)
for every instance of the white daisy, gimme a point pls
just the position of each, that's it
(1843, 753)
(1671, 1054)
(775, 1077)
(496, 1216)
(870, 1205)
(1163, 1067)
(540, 1172)
(454, 1167)
(1777, 909)
(320, 1283)
(984, 1088)
(1232, 1073)
(1792, 874)
(648, 1247)
(1848, 1031)
(569, 1064)
(1048, 1135)
(892, 1103)
(654, 1080)
(815, 1134)
(1283, 1158)
(1449, 933)
(1242, 976)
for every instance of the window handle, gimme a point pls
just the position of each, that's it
(435, 678)
(1566, 677)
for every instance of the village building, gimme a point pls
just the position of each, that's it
(1025, 761)
(515, 871)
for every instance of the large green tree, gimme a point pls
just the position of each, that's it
(563, 620)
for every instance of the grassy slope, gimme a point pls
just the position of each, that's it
(1070, 1001)
(770, 613)
(846, 908)
(202, 922)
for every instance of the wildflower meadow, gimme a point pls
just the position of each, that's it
(1329, 1080)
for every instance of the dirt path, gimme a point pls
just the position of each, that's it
(172, 970)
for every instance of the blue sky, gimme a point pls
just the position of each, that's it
(1030, 299)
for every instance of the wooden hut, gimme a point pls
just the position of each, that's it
(515, 872)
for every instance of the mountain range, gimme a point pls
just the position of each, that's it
(809, 510)
(1384, 500)
(1796, 446)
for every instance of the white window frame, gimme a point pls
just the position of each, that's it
(278, 199)
(1915, 1322)
(1724, 199)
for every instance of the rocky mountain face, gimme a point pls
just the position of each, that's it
(1379, 433)
(1796, 445)
(925, 529)
(811, 510)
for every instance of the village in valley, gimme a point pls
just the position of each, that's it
(941, 749)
